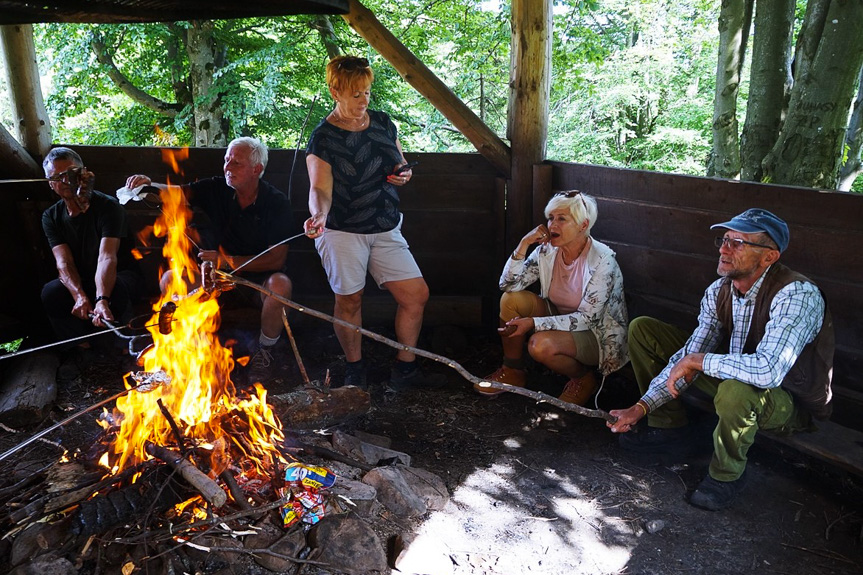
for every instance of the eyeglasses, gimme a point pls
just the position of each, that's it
(571, 194)
(70, 176)
(737, 244)
(350, 64)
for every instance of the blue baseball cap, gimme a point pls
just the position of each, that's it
(756, 220)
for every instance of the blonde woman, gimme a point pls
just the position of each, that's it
(578, 321)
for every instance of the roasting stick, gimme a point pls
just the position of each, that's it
(536, 395)
(143, 387)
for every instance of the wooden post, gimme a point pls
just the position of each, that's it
(528, 112)
(430, 86)
(542, 174)
(22, 75)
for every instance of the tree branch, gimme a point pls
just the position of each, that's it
(125, 85)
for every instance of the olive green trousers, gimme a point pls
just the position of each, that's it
(742, 409)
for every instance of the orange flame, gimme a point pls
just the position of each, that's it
(201, 398)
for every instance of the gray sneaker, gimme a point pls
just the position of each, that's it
(259, 364)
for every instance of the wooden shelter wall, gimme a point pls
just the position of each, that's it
(453, 220)
(659, 225)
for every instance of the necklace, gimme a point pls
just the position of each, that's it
(349, 124)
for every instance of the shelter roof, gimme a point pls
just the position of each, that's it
(123, 11)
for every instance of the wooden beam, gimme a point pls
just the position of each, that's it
(16, 162)
(430, 86)
(22, 76)
(528, 111)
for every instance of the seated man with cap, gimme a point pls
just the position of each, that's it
(763, 350)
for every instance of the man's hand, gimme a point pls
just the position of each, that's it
(687, 368)
(102, 312)
(133, 182)
(626, 418)
(82, 308)
(214, 256)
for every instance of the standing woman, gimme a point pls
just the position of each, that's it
(352, 160)
(578, 321)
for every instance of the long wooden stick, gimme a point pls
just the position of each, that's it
(536, 395)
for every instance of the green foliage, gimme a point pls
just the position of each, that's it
(11, 346)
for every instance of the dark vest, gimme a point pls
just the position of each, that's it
(811, 375)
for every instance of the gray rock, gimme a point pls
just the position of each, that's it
(394, 491)
(347, 544)
(356, 496)
(426, 485)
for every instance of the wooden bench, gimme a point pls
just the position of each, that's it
(831, 443)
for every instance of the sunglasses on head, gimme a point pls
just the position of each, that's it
(352, 64)
(571, 194)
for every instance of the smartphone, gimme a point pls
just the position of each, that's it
(405, 168)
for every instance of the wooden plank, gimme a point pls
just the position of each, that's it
(833, 443)
(796, 205)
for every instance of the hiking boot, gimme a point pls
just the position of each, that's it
(578, 391)
(415, 379)
(504, 374)
(714, 495)
(259, 364)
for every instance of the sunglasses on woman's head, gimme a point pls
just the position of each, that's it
(353, 64)
(571, 194)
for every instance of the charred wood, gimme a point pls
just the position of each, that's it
(209, 489)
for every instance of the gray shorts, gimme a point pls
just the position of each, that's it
(348, 257)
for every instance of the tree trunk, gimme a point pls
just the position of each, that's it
(735, 18)
(210, 124)
(528, 109)
(853, 166)
(324, 27)
(769, 85)
(808, 151)
(22, 77)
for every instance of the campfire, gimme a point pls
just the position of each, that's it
(182, 452)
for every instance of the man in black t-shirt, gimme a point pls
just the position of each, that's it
(244, 216)
(87, 231)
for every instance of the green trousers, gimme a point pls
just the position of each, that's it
(742, 409)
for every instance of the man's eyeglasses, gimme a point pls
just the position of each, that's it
(571, 194)
(70, 177)
(737, 244)
(350, 64)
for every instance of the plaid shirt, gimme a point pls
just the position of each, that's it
(796, 314)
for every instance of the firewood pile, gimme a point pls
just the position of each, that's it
(202, 508)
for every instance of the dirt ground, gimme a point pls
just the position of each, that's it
(538, 490)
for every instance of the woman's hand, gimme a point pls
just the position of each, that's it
(517, 326)
(400, 179)
(314, 226)
(538, 235)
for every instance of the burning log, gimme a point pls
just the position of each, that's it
(208, 488)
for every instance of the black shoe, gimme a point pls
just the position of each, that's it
(714, 495)
(415, 379)
(657, 440)
(259, 364)
(355, 374)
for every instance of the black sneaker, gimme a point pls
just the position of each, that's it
(714, 495)
(415, 379)
(355, 374)
(259, 364)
